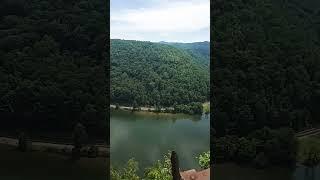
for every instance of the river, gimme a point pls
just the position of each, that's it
(148, 136)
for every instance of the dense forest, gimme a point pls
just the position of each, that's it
(157, 74)
(200, 51)
(265, 78)
(53, 65)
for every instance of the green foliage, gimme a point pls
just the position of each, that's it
(129, 172)
(266, 61)
(261, 148)
(192, 108)
(200, 51)
(161, 170)
(154, 74)
(204, 160)
(206, 107)
(53, 65)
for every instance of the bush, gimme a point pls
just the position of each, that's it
(161, 170)
(204, 160)
(128, 172)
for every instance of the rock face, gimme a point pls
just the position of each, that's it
(194, 175)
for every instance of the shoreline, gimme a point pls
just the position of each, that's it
(147, 109)
(66, 149)
(169, 110)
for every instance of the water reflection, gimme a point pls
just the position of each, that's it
(148, 136)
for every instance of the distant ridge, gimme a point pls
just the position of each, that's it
(200, 51)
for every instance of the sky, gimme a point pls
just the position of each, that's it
(160, 20)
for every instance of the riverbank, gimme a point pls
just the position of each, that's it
(148, 109)
(65, 149)
(205, 109)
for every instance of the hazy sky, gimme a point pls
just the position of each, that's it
(160, 20)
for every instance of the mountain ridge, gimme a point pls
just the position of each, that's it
(147, 73)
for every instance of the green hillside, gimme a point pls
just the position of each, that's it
(200, 51)
(146, 73)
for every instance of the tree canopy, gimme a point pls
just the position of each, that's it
(200, 51)
(155, 74)
(52, 64)
(266, 64)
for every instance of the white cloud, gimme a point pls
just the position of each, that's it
(164, 19)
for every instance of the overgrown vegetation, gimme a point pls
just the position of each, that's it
(128, 172)
(206, 107)
(204, 160)
(161, 170)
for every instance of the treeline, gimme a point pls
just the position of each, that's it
(192, 108)
(53, 65)
(158, 75)
(266, 69)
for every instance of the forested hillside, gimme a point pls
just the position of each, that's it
(266, 73)
(154, 74)
(52, 66)
(200, 51)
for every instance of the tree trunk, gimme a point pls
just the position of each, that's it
(175, 166)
